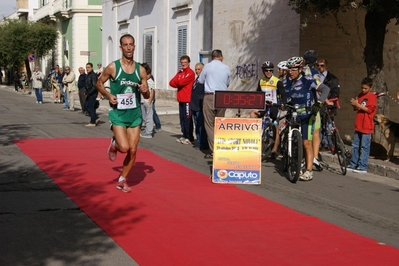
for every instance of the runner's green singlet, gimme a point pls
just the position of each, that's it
(127, 112)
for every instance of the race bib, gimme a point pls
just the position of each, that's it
(126, 101)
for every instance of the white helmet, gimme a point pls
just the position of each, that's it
(282, 65)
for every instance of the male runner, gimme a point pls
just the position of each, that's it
(128, 79)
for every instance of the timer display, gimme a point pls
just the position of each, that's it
(240, 99)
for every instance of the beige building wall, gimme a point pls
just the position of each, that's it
(344, 53)
(22, 4)
(251, 32)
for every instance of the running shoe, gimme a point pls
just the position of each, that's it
(146, 136)
(273, 155)
(360, 171)
(90, 125)
(349, 167)
(122, 185)
(306, 176)
(186, 141)
(317, 164)
(180, 139)
(112, 150)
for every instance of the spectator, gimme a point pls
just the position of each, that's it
(183, 81)
(216, 77)
(82, 89)
(146, 105)
(55, 84)
(17, 81)
(197, 101)
(69, 87)
(157, 122)
(60, 77)
(91, 94)
(98, 73)
(332, 82)
(366, 106)
(24, 82)
(37, 84)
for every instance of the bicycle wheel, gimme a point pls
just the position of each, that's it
(268, 140)
(294, 165)
(340, 151)
(284, 149)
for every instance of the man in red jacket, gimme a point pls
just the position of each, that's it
(183, 82)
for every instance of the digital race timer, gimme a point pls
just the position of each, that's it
(240, 99)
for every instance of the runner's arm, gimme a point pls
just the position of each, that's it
(108, 73)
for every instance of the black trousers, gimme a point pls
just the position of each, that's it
(91, 109)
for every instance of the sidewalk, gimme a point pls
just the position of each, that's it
(169, 108)
(163, 107)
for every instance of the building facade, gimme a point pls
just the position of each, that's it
(163, 31)
(78, 23)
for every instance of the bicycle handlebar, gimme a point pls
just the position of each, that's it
(336, 101)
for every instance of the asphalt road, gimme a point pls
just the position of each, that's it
(40, 225)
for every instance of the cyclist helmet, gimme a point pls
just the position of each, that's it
(282, 65)
(294, 62)
(267, 65)
(310, 57)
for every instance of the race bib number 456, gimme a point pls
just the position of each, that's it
(126, 101)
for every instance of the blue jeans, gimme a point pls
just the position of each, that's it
(360, 151)
(66, 104)
(202, 140)
(155, 117)
(39, 95)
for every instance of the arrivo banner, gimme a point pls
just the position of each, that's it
(237, 151)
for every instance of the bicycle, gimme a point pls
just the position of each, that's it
(291, 143)
(268, 133)
(335, 142)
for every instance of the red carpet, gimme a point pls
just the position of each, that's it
(176, 216)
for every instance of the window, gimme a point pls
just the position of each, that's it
(181, 43)
(148, 48)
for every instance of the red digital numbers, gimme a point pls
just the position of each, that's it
(240, 99)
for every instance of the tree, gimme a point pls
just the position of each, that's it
(18, 39)
(379, 13)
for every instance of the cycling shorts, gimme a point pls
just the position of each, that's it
(308, 125)
(125, 118)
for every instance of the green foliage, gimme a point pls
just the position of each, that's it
(18, 39)
(387, 8)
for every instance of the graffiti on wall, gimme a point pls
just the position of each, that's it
(247, 71)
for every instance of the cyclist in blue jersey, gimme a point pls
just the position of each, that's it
(310, 60)
(302, 90)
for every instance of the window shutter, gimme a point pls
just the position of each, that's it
(181, 43)
(148, 49)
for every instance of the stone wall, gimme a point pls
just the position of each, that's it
(344, 51)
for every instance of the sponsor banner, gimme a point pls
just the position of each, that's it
(237, 151)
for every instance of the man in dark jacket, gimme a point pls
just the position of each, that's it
(331, 81)
(17, 80)
(82, 89)
(91, 95)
